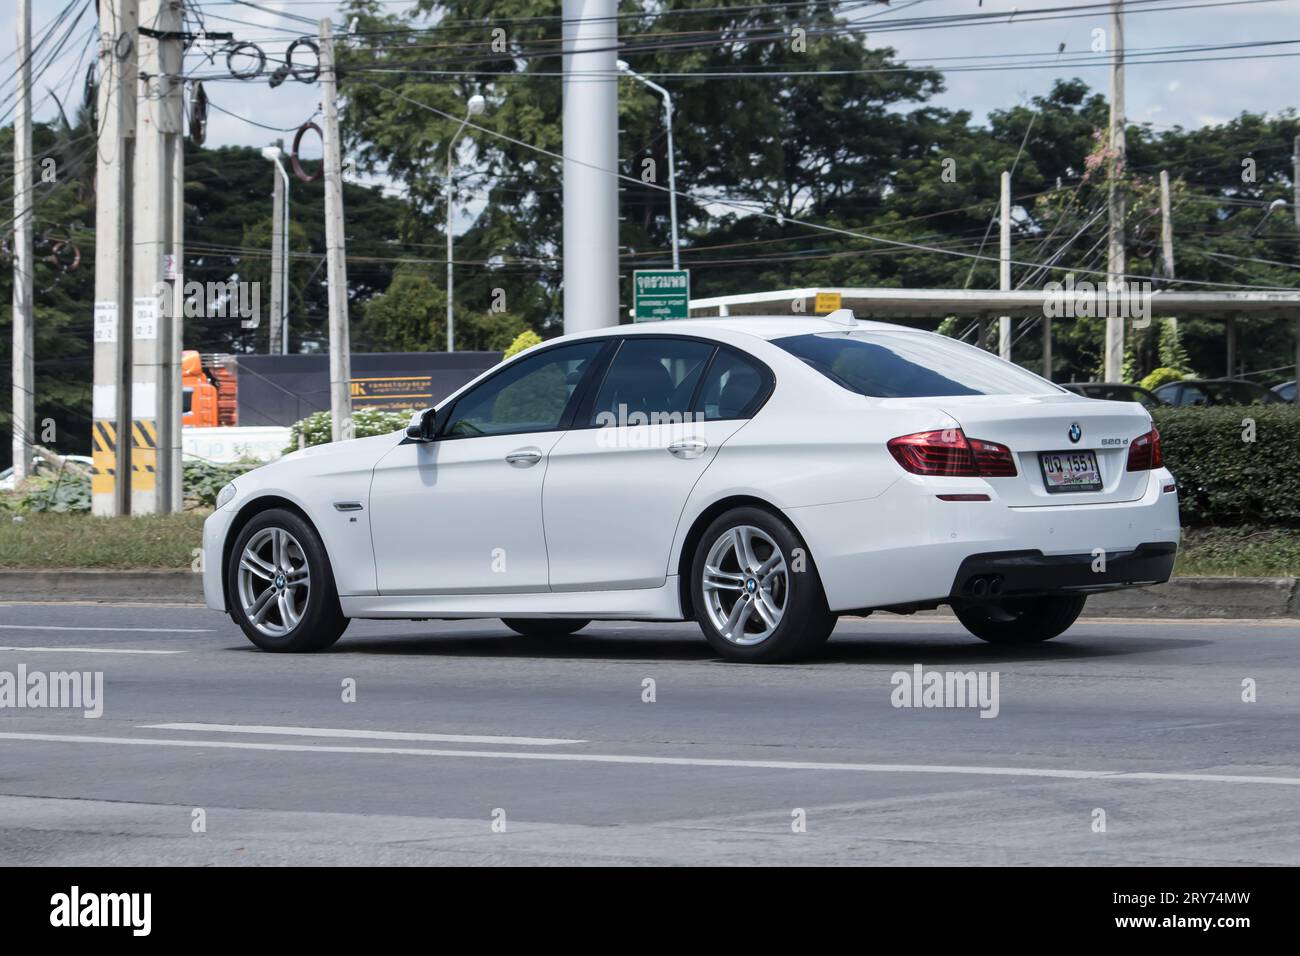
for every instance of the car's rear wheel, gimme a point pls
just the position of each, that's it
(1020, 620)
(755, 591)
(544, 627)
(280, 586)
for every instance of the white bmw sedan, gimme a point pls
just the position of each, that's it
(758, 475)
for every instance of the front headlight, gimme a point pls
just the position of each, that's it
(226, 495)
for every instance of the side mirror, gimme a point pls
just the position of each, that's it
(421, 426)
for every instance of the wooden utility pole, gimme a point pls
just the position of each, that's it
(1115, 257)
(110, 480)
(335, 262)
(1004, 266)
(23, 419)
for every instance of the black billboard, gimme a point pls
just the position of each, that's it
(282, 389)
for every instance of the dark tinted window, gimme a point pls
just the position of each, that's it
(650, 380)
(1238, 393)
(187, 400)
(911, 365)
(732, 386)
(529, 395)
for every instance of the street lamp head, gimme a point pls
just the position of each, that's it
(623, 66)
(476, 105)
(273, 153)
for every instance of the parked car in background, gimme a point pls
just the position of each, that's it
(1285, 391)
(40, 465)
(1216, 391)
(1116, 392)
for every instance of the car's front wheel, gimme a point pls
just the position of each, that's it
(1020, 620)
(755, 591)
(544, 627)
(280, 585)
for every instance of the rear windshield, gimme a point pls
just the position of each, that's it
(911, 365)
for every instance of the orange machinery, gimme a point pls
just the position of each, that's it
(208, 391)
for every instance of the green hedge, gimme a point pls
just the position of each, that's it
(1224, 477)
(315, 428)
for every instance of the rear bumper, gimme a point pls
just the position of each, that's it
(908, 547)
(1027, 573)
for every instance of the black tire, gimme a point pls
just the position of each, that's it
(1020, 620)
(805, 622)
(321, 620)
(543, 626)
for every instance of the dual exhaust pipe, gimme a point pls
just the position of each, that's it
(985, 585)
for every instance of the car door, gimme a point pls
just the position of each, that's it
(463, 514)
(617, 481)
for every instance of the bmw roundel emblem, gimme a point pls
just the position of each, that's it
(1075, 433)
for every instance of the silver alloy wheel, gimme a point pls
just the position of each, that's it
(274, 581)
(746, 585)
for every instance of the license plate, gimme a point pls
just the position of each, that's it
(1070, 471)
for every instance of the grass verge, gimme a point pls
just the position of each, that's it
(80, 541)
(167, 541)
(1246, 552)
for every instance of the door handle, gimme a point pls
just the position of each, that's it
(688, 448)
(524, 457)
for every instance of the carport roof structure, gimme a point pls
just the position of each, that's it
(887, 304)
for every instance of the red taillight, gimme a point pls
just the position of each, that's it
(950, 454)
(1144, 453)
(994, 460)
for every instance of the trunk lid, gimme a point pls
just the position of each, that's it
(1033, 424)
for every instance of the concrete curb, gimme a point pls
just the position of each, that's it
(109, 587)
(1179, 598)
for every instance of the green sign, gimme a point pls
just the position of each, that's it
(660, 294)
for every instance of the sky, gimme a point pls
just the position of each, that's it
(1190, 94)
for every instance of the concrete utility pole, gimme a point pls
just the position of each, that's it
(590, 164)
(1115, 257)
(1004, 266)
(279, 344)
(474, 107)
(335, 263)
(156, 324)
(24, 385)
(1166, 233)
(1295, 185)
(1295, 179)
(110, 481)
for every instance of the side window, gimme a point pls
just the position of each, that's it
(528, 396)
(651, 380)
(731, 387)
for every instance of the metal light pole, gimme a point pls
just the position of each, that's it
(281, 214)
(474, 107)
(672, 170)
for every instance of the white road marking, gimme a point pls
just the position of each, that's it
(83, 650)
(366, 734)
(1058, 774)
(133, 630)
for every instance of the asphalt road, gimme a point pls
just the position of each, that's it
(456, 727)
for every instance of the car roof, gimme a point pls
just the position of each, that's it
(760, 326)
